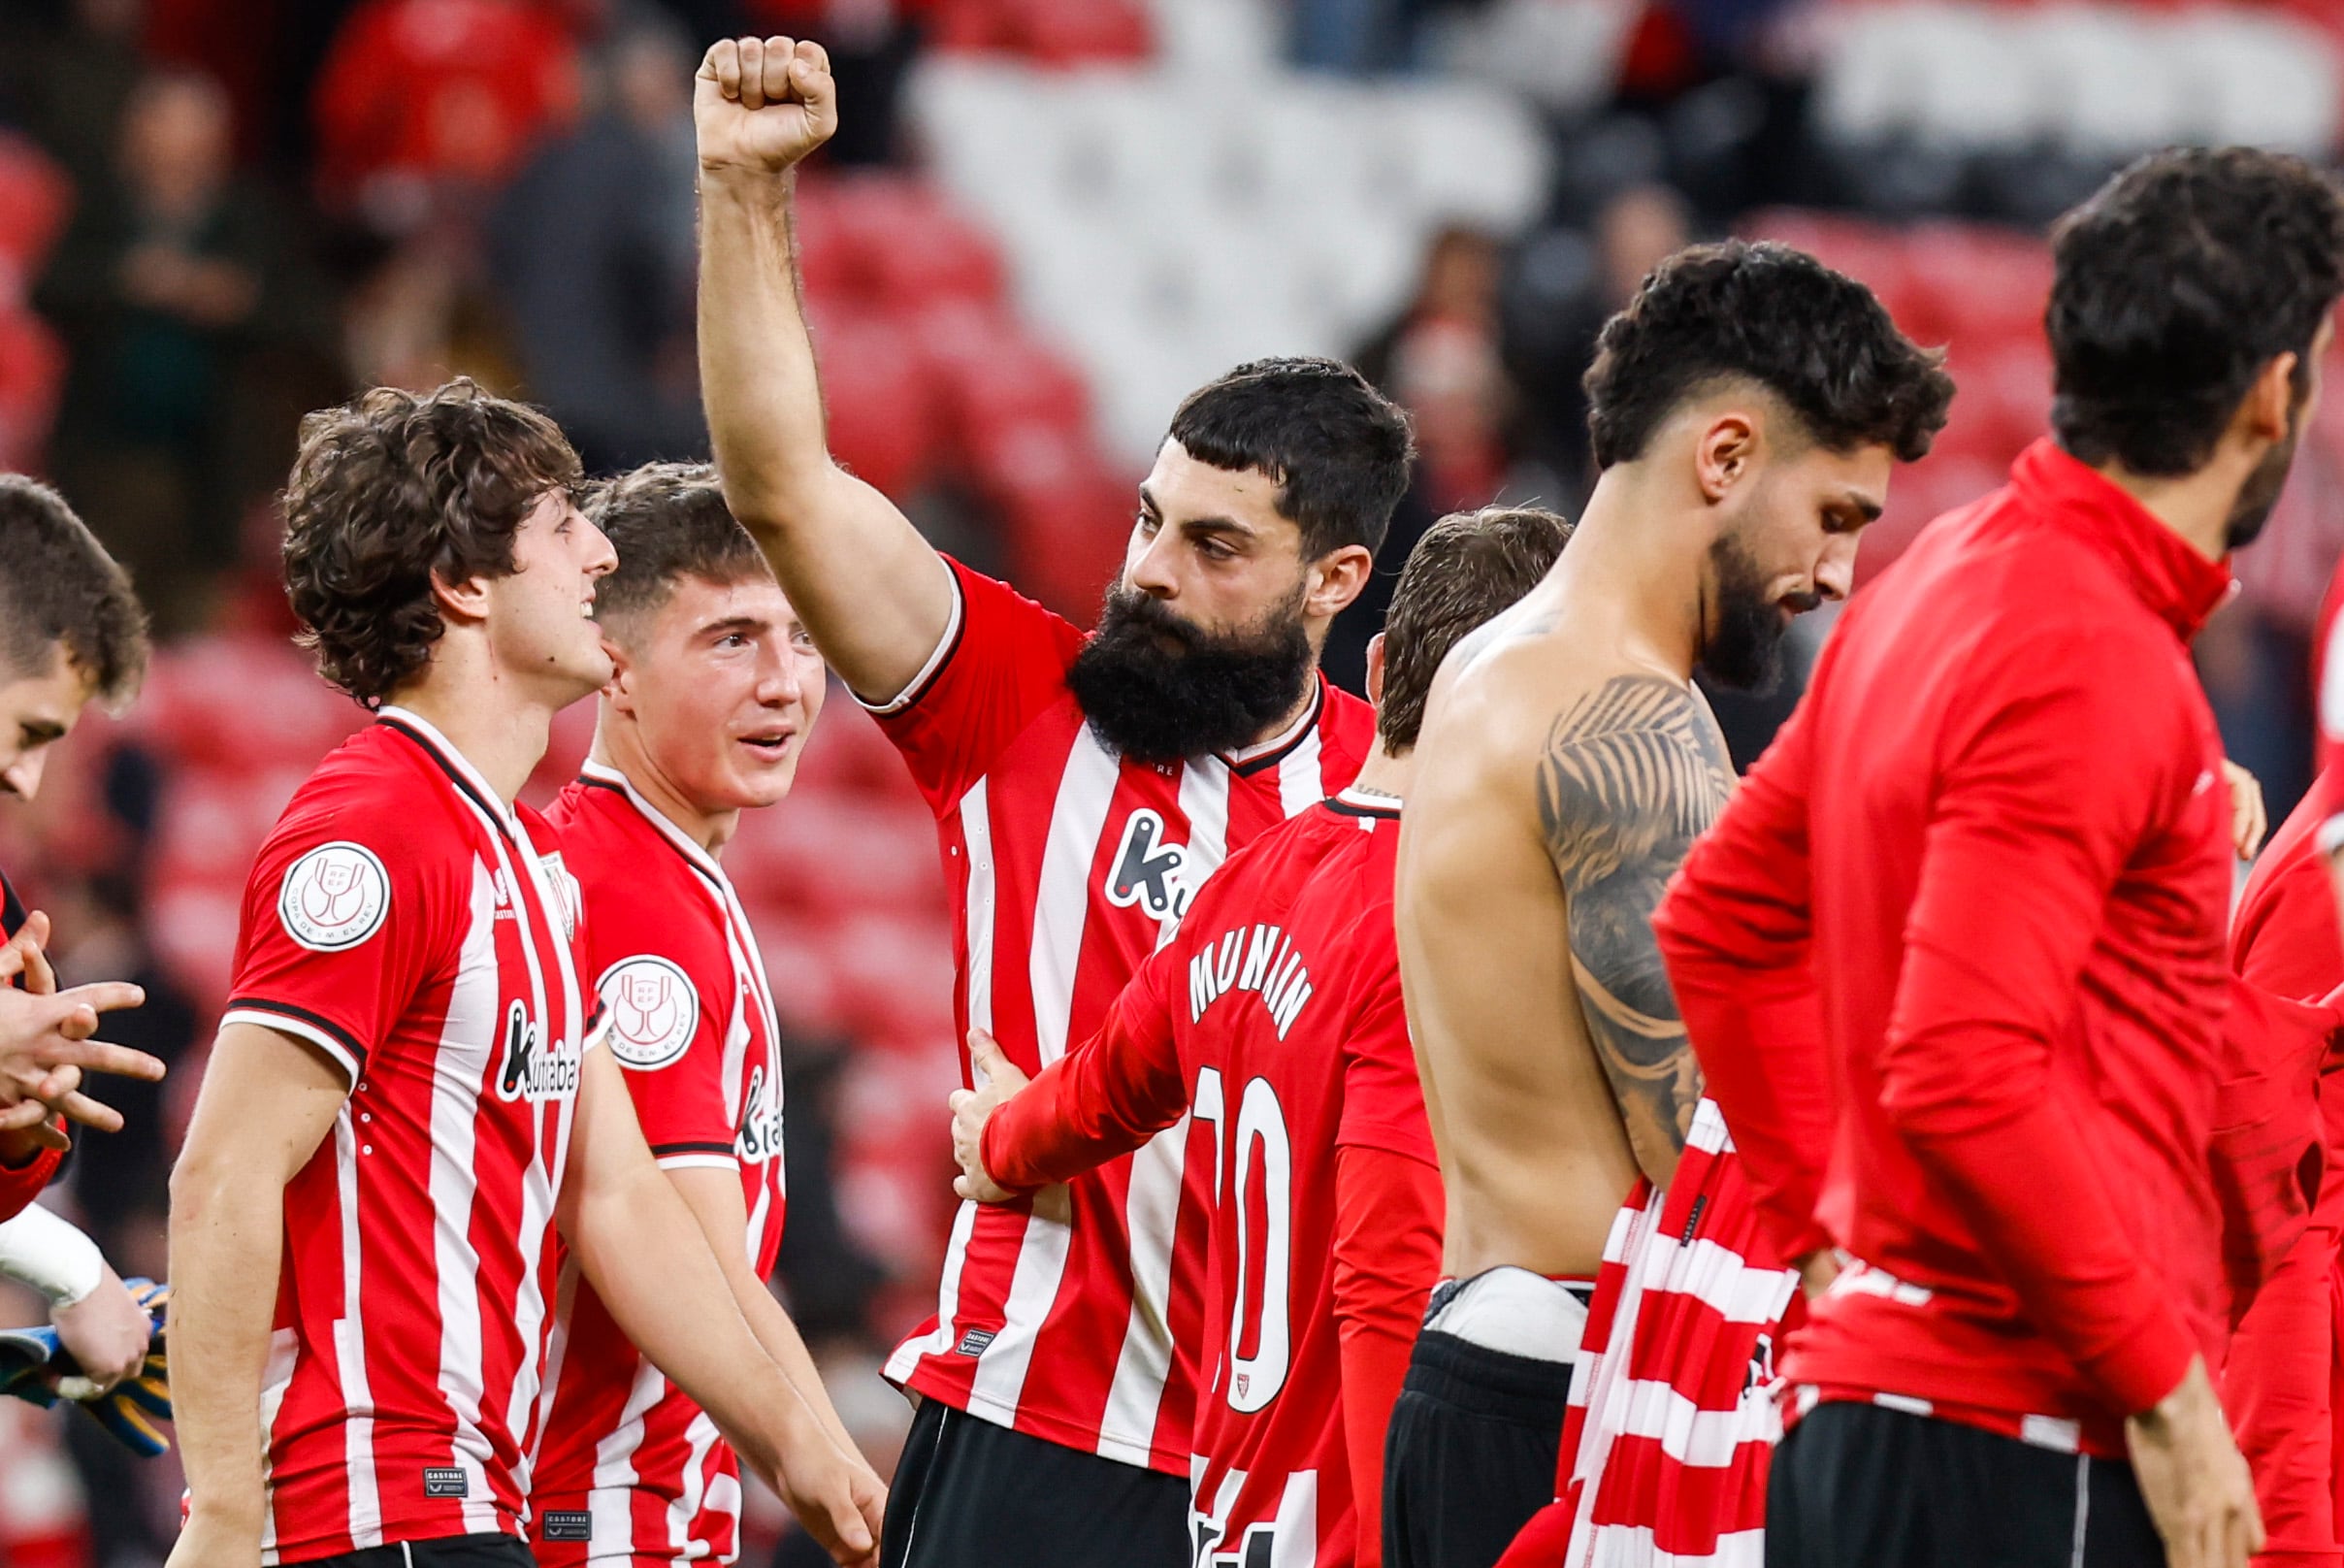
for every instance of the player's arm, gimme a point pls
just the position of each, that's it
(1735, 931)
(1632, 772)
(1105, 1097)
(1388, 1221)
(2034, 819)
(877, 598)
(96, 1317)
(643, 1251)
(267, 1101)
(714, 1198)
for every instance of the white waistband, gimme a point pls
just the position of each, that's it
(1512, 1311)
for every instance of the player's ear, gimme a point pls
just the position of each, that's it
(620, 687)
(1335, 579)
(1374, 669)
(465, 600)
(2269, 407)
(1724, 452)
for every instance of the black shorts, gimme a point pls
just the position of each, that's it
(970, 1495)
(1471, 1453)
(1860, 1487)
(444, 1552)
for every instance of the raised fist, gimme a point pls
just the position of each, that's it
(759, 104)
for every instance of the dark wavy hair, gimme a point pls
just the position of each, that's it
(59, 588)
(2174, 287)
(1817, 341)
(1466, 569)
(667, 520)
(1338, 448)
(392, 490)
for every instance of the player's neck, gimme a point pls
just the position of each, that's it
(619, 747)
(1284, 725)
(2196, 507)
(1629, 576)
(1384, 773)
(501, 734)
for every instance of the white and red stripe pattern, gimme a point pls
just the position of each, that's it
(411, 1335)
(629, 1466)
(1672, 1417)
(1067, 867)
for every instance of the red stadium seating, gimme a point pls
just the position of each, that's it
(35, 201)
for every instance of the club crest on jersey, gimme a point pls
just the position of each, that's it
(1149, 871)
(335, 897)
(760, 1137)
(532, 1072)
(654, 1011)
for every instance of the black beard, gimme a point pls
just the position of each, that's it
(2259, 493)
(1157, 688)
(1744, 649)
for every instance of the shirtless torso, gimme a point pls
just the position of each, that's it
(1568, 763)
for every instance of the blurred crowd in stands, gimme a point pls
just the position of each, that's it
(216, 214)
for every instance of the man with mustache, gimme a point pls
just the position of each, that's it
(1083, 787)
(1953, 958)
(1746, 408)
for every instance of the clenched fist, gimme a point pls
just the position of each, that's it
(759, 104)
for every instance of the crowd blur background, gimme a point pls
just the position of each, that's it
(1042, 222)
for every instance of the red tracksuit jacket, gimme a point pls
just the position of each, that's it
(1952, 961)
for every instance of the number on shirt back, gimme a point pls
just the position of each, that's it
(1260, 1338)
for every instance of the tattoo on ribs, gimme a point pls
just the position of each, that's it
(1633, 772)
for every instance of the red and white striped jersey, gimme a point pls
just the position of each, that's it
(1067, 867)
(400, 920)
(629, 1465)
(1672, 1417)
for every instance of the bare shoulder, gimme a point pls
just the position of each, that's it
(1503, 690)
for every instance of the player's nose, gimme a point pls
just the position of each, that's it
(23, 777)
(1835, 572)
(1150, 570)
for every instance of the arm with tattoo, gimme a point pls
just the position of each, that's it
(1633, 772)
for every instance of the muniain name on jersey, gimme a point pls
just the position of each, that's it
(1259, 959)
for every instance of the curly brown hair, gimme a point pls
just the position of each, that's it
(393, 490)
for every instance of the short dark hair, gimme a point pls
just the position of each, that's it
(1338, 450)
(59, 588)
(2174, 287)
(1815, 340)
(393, 489)
(1466, 569)
(667, 520)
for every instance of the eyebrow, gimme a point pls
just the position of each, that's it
(1868, 506)
(747, 624)
(1226, 525)
(41, 731)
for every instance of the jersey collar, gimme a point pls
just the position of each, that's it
(453, 763)
(603, 776)
(1354, 801)
(1257, 757)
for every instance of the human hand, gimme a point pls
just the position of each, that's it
(2249, 820)
(108, 1333)
(973, 1108)
(2199, 1491)
(836, 1497)
(761, 104)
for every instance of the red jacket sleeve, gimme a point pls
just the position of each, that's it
(1105, 1097)
(1736, 932)
(2044, 794)
(1387, 1256)
(19, 1185)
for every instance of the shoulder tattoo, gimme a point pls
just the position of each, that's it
(1632, 773)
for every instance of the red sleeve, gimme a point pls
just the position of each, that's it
(1105, 1097)
(1387, 1256)
(1003, 661)
(1735, 931)
(2044, 796)
(19, 1185)
(1383, 1098)
(672, 1041)
(342, 926)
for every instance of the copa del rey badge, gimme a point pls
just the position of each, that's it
(652, 1010)
(333, 896)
